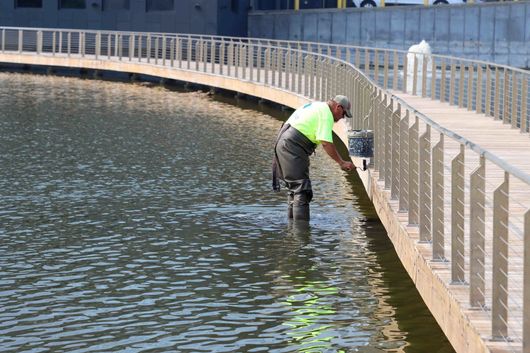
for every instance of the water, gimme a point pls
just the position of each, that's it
(138, 219)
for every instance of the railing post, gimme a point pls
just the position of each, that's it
(388, 145)
(524, 102)
(395, 120)
(377, 130)
(250, 61)
(497, 94)
(140, 48)
(506, 98)
(478, 99)
(307, 75)
(442, 81)
(189, 55)
(385, 70)
(405, 71)
(414, 169)
(288, 63)
(172, 52)
(477, 203)
(395, 73)
(54, 42)
(20, 40)
(82, 44)
(109, 45)
(438, 222)
(300, 66)
(488, 91)
(117, 45)
(404, 163)
(204, 55)
(367, 62)
(230, 58)
(457, 218)
(213, 55)
(376, 67)
(433, 77)
(499, 303)
(69, 44)
(292, 77)
(470, 78)
(279, 66)
(275, 75)
(98, 45)
(461, 84)
(320, 79)
(3, 40)
(242, 59)
(425, 185)
(526, 284)
(329, 78)
(60, 49)
(120, 47)
(131, 46)
(164, 50)
(266, 65)
(148, 48)
(424, 76)
(414, 76)
(39, 42)
(157, 47)
(513, 111)
(382, 137)
(180, 55)
(452, 83)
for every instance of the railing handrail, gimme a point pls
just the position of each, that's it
(249, 39)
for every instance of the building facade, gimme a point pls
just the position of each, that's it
(221, 17)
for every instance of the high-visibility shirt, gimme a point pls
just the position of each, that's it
(314, 120)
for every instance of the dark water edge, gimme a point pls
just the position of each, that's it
(410, 321)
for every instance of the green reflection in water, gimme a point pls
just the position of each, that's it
(305, 330)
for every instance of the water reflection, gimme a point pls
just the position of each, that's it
(139, 219)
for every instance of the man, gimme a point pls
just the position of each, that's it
(306, 128)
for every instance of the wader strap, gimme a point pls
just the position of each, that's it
(276, 169)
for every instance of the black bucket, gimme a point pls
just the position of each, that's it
(361, 143)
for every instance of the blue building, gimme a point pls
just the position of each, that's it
(221, 17)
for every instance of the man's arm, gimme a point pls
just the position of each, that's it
(331, 150)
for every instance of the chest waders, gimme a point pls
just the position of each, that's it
(291, 164)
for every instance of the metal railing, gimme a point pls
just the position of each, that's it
(470, 207)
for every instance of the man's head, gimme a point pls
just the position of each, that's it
(340, 107)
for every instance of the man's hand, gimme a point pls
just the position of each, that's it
(345, 165)
(332, 152)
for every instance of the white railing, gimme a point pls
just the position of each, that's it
(469, 206)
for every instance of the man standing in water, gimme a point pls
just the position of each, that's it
(306, 128)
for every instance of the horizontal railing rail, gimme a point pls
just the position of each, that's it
(470, 207)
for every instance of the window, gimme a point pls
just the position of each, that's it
(72, 4)
(159, 5)
(233, 5)
(115, 5)
(28, 3)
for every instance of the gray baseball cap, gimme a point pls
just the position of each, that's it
(345, 103)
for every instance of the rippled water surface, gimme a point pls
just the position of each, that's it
(139, 219)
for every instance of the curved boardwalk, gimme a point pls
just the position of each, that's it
(451, 185)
